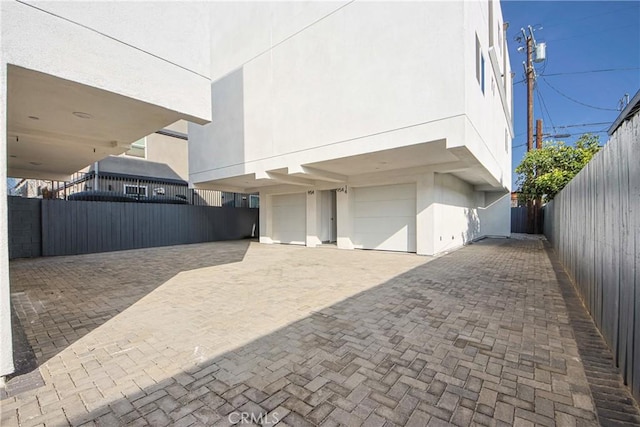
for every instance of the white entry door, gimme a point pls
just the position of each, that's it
(289, 213)
(385, 218)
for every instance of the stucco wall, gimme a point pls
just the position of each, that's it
(489, 113)
(456, 215)
(351, 74)
(495, 215)
(6, 346)
(131, 53)
(172, 151)
(157, 53)
(305, 82)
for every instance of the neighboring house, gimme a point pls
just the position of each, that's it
(515, 201)
(377, 125)
(155, 165)
(130, 176)
(32, 188)
(631, 110)
(168, 145)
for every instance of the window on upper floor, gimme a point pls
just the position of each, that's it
(138, 149)
(506, 141)
(478, 59)
(491, 35)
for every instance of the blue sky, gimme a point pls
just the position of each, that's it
(581, 36)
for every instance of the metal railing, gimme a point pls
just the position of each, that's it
(117, 188)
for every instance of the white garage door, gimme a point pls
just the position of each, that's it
(385, 218)
(289, 218)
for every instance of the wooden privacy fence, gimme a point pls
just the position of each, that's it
(519, 219)
(594, 226)
(83, 227)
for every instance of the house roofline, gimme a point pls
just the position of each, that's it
(632, 107)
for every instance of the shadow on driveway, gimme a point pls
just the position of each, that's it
(58, 300)
(478, 336)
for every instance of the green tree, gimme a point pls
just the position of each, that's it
(544, 172)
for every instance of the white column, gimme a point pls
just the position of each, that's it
(6, 346)
(266, 218)
(425, 214)
(313, 218)
(344, 211)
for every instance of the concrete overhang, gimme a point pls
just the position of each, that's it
(364, 169)
(56, 127)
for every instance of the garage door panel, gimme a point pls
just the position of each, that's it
(386, 192)
(381, 225)
(289, 218)
(382, 208)
(382, 242)
(385, 218)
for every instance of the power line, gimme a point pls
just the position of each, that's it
(590, 71)
(544, 105)
(571, 73)
(584, 125)
(569, 134)
(578, 19)
(592, 32)
(575, 100)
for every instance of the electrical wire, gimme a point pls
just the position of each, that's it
(589, 72)
(571, 73)
(569, 134)
(575, 100)
(578, 19)
(592, 33)
(585, 125)
(544, 110)
(544, 105)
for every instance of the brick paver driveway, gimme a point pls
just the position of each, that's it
(208, 334)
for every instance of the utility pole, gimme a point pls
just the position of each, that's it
(537, 203)
(538, 134)
(530, 77)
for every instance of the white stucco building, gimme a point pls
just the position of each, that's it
(379, 125)
(80, 81)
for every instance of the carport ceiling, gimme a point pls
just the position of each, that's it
(56, 127)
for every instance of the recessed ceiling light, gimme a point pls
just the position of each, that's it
(35, 163)
(82, 115)
(34, 118)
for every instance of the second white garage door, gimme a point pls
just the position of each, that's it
(385, 218)
(289, 218)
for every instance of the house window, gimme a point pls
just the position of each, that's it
(479, 64)
(138, 149)
(506, 141)
(254, 201)
(159, 191)
(482, 72)
(491, 38)
(135, 190)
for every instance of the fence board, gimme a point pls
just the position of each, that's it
(79, 227)
(594, 225)
(519, 219)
